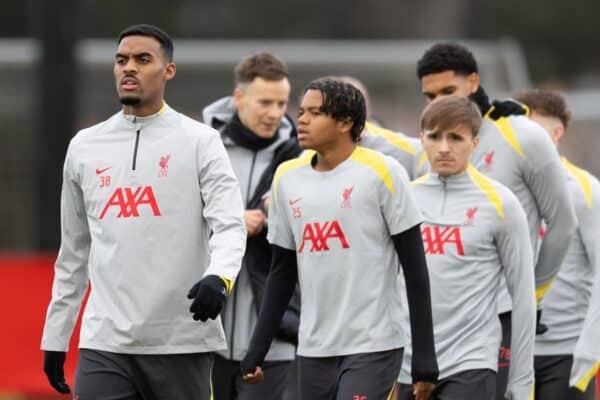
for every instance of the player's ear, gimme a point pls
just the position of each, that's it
(238, 94)
(474, 81)
(170, 70)
(557, 133)
(475, 143)
(345, 125)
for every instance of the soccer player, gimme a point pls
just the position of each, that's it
(474, 232)
(340, 219)
(567, 355)
(258, 136)
(149, 206)
(517, 153)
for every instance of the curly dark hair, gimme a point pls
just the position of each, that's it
(166, 44)
(342, 101)
(443, 57)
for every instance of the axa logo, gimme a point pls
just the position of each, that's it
(435, 239)
(471, 216)
(163, 164)
(128, 200)
(488, 160)
(346, 197)
(318, 235)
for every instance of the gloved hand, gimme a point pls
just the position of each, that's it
(506, 108)
(209, 295)
(540, 328)
(54, 362)
(288, 328)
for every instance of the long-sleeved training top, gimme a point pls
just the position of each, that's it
(475, 232)
(572, 304)
(149, 206)
(518, 153)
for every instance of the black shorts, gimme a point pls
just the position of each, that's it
(363, 376)
(228, 383)
(552, 375)
(477, 384)
(103, 375)
(504, 355)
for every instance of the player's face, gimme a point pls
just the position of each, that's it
(316, 129)
(262, 104)
(448, 83)
(141, 72)
(449, 150)
(552, 125)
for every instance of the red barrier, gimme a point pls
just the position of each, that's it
(25, 290)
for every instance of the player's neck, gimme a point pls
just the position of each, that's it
(144, 110)
(329, 158)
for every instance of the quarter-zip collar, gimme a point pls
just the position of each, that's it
(141, 122)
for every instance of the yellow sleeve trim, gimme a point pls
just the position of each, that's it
(374, 160)
(422, 160)
(582, 178)
(303, 159)
(228, 284)
(584, 382)
(487, 187)
(541, 291)
(420, 180)
(507, 132)
(532, 392)
(391, 137)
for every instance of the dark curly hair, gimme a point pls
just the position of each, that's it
(447, 57)
(342, 101)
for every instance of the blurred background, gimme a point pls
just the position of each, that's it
(56, 77)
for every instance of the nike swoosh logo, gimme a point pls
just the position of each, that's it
(101, 171)
(292, 202)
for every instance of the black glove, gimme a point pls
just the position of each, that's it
(506, 108)
(540, 328)
(288, 328)
(209, 296)
(54, 362)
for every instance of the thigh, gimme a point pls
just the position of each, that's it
(472, 384)
(552, 375)
(271, 388)
(291, 386)
(103, 375)
(503, 356)
(317, 377)
(224, 374)
(369, 375)
(175, 376)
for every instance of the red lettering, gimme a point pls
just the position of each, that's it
(435, 238)
(318, 234)
(129, 200)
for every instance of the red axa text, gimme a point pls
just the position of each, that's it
(435, 239)
(128, 200)
(317, 235)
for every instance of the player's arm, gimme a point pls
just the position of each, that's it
(223, 209)
(516, 257)
(409, 246)
(547, 181)
(279, 289)
(403, 219)
(587, 352)
(70, 277)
